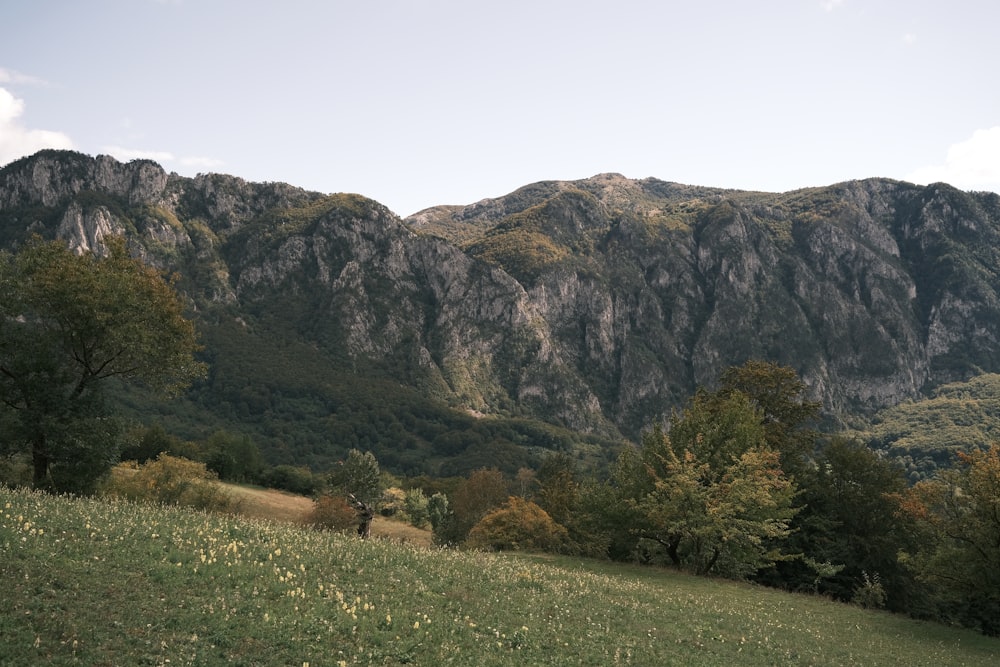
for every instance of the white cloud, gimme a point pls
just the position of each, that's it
(11, 76)
(126, 154)
(909, 39)
(17, 141)
(973, 164)
(830, 5)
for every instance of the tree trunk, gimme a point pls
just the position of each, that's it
(712, 560)
(672, 547)
(40, 463)
(366, 513)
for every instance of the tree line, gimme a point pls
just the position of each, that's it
(740, 485)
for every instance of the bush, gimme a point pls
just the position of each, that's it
(437, 510)
(332, 513)
(870, 594)
(393, 501)
(170, 480)
(518, 524)
(15, 470)
(292, 479)
(416, 505)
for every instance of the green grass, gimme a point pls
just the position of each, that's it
(94, 582)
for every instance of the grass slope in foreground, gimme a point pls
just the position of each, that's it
(94, 582)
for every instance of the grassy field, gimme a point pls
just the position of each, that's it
(95, 582)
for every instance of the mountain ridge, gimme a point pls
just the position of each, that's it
(595, 305)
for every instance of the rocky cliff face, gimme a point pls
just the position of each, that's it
(871, 290)
(597, 304)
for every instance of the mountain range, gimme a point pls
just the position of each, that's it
(564, 315)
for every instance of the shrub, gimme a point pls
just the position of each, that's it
(332, 513)
(292, 479)
(15, 470)
(393, 501)
(170, 480)
(870, 594)
(417, 506)
(518, 524)
(437, 510)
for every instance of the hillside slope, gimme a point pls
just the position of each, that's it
(96, 582)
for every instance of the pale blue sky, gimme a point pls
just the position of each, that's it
(423, 102)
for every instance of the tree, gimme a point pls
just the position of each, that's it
(958, 516)
(69, 323)
(437, 510)
(526, 480)
(606, 522)
(417, 507)
(149, 442)
(358, 475)
(716, 500)
(717, 428)
(332, 513)
(484, 490)
(558, 489)
(846, 527)
(779, 396)
(234, 458)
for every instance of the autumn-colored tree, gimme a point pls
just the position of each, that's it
(332, 513)
(717, 429)
(958, 515)
(171, 480)
(518, 524)
(716, 499)
(68, 323)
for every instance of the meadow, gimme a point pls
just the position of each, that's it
(105, 582)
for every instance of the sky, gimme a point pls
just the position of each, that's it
(417, 103)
